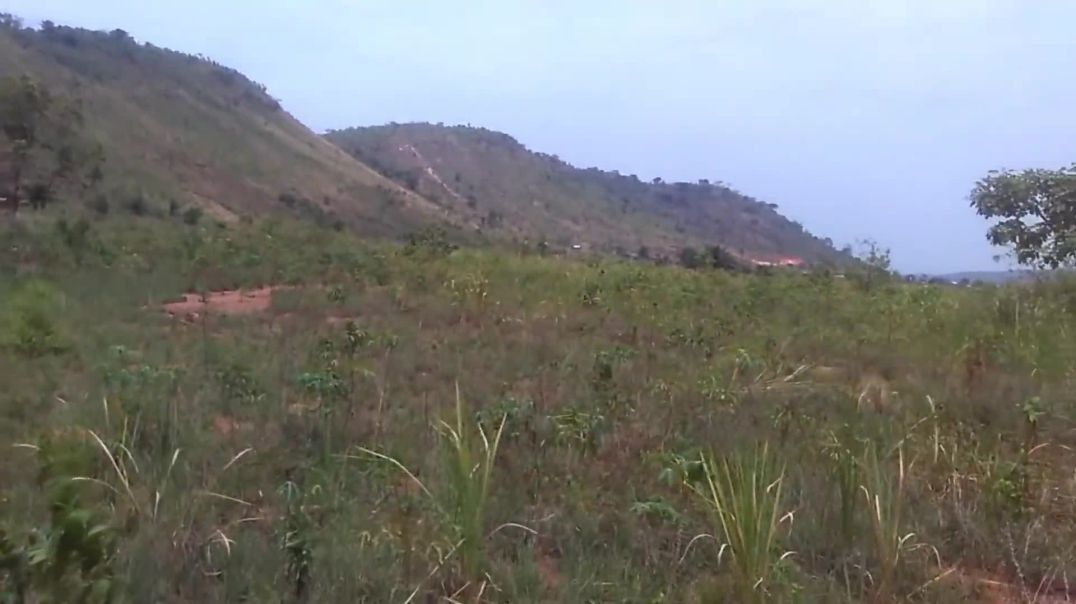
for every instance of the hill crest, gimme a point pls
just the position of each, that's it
(498, 185)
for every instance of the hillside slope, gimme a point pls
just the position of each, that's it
(496, 184)
(179, 127)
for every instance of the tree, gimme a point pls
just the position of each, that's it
(9, 21)
(23, 105)
(1036, 213)
(721, 259)
(689, 258)
(44, 143)
(876, 264)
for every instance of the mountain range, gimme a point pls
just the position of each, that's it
(183, 129)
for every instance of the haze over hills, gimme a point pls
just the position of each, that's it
(182, 128)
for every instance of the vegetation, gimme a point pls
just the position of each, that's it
(175, 127)
(210, 143)
(328, 418)
(43, 137)
(1036, 211)
(491, 180)
(621, 431)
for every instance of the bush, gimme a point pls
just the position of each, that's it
(431, 242)
(689, 258)
(721, 259)
(192, 216)
(28, 325)
(99, 205)
(137, 205)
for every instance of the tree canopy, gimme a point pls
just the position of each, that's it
(1036, 214)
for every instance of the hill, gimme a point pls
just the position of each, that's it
(497, 185)
(182, 128)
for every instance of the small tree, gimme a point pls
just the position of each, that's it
(43, 142)
(23, 105)
(1036, 210)
(876, 264)
(719, 258)
(689, 258)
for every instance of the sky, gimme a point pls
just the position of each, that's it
(861, 119)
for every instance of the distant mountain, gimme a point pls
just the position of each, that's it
(496, 185)
(1010, 276)
(183, 128)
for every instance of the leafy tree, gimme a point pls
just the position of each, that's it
(1036, 212)
(23, 105)
(9, 21)
(43, 142)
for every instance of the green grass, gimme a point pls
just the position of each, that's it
(223, 460)
(744, 495)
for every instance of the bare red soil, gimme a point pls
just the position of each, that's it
(231, 302)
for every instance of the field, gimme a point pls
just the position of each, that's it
(419, 424)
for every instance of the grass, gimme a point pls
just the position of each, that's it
(884, 495)
(745, 497)
(560, 470)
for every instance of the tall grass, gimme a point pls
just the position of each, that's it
(468, 456)
(469, 465)
(884, 495)
(743, 494)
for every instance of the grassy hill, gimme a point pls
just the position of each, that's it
(183, 130)
(180, 127)
(499, 186)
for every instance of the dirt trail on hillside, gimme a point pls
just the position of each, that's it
(229, 302)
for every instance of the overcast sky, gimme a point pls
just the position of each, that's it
(859, 118)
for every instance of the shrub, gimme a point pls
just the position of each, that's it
(689, 258)
(192, 216)
(29, 326)
(137, 205)
(99, 205)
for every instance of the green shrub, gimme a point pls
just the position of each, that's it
(137, 205)
(192, 216)
(29, 325)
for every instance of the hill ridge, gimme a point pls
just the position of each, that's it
(184, 129)
(503, 186)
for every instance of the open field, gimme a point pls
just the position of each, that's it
(413, 423)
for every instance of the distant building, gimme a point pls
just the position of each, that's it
(782, 261)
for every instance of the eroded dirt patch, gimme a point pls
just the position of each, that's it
(229, 302)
